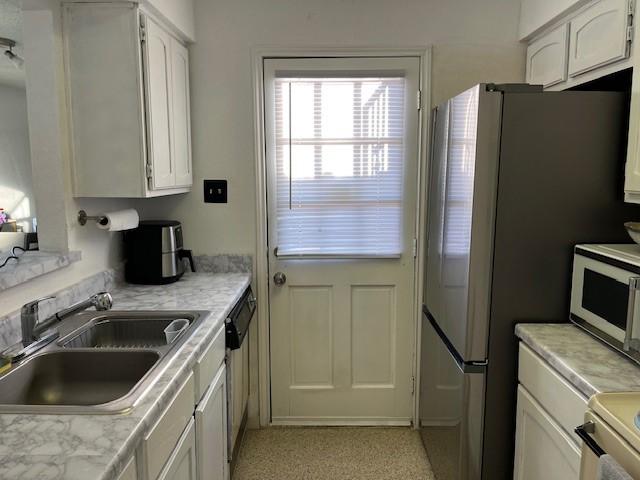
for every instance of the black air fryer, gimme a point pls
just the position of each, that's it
(154, 253)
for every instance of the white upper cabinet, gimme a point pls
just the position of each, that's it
(128, 90)
(632, 167)
(547, 58)
(181, 114)
(599, 36)
(159, 106)
(588, 40)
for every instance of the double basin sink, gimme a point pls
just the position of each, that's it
(102, 364)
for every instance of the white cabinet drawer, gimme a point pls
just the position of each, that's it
(552, 391)
(543, 450)
(160, 442)
(547, 58)
(182, 462)
(209, 363)
(598, 36)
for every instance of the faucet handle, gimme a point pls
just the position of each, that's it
(29, 319)
(102, 301)
(32, 307)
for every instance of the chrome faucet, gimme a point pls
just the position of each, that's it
(32, 328)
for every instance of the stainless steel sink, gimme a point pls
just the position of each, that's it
(103, 363)
(123, 332)
(75, 378)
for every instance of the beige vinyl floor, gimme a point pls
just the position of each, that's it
(332, 453)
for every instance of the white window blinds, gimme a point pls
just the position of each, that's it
(339, 166)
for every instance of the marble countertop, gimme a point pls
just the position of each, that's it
(588, 364)
(87, 447)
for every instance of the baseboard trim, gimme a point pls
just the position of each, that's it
(339, 422)
(439, 423)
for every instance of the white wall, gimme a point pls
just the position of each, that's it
(535, 13)
(180, 14)
(474, 41)
(15, 164)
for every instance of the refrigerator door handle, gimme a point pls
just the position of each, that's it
(465, 367)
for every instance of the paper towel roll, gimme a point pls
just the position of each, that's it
(120, 220)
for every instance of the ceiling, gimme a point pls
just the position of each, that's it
(11, 27)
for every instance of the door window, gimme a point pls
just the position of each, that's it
(339, 149)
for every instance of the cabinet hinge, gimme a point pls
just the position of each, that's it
(413, 385)
(630, 20)
(414, 248)
(149, 169)
(143, 33)
(419, 100)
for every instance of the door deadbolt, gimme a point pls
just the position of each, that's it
(279, 278)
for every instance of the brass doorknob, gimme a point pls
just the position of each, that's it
(279, 278)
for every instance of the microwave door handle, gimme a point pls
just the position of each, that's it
(634, 286)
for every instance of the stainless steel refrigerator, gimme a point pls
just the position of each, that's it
(517, 177)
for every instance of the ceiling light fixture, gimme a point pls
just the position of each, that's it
(8, 45)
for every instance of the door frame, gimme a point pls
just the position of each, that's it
(259, 54)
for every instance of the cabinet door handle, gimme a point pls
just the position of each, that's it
(634, 285)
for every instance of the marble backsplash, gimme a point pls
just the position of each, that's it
(106, 281)
(223, 263)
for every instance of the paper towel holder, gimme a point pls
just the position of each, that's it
(83, 218)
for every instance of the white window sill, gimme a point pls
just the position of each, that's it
(31, 265)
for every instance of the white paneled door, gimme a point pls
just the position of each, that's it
(342, 139)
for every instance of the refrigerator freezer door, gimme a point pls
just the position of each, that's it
(451, 411)
(461, 210)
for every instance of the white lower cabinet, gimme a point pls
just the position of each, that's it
(161, 441)
(189, 440)
(240, 389)
(543, 450)
(182, 462)
(548, 410)
(130, 471)
(211, 431)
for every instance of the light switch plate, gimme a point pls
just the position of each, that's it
(215, 191)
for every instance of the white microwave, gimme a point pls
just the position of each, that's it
(605, 297)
